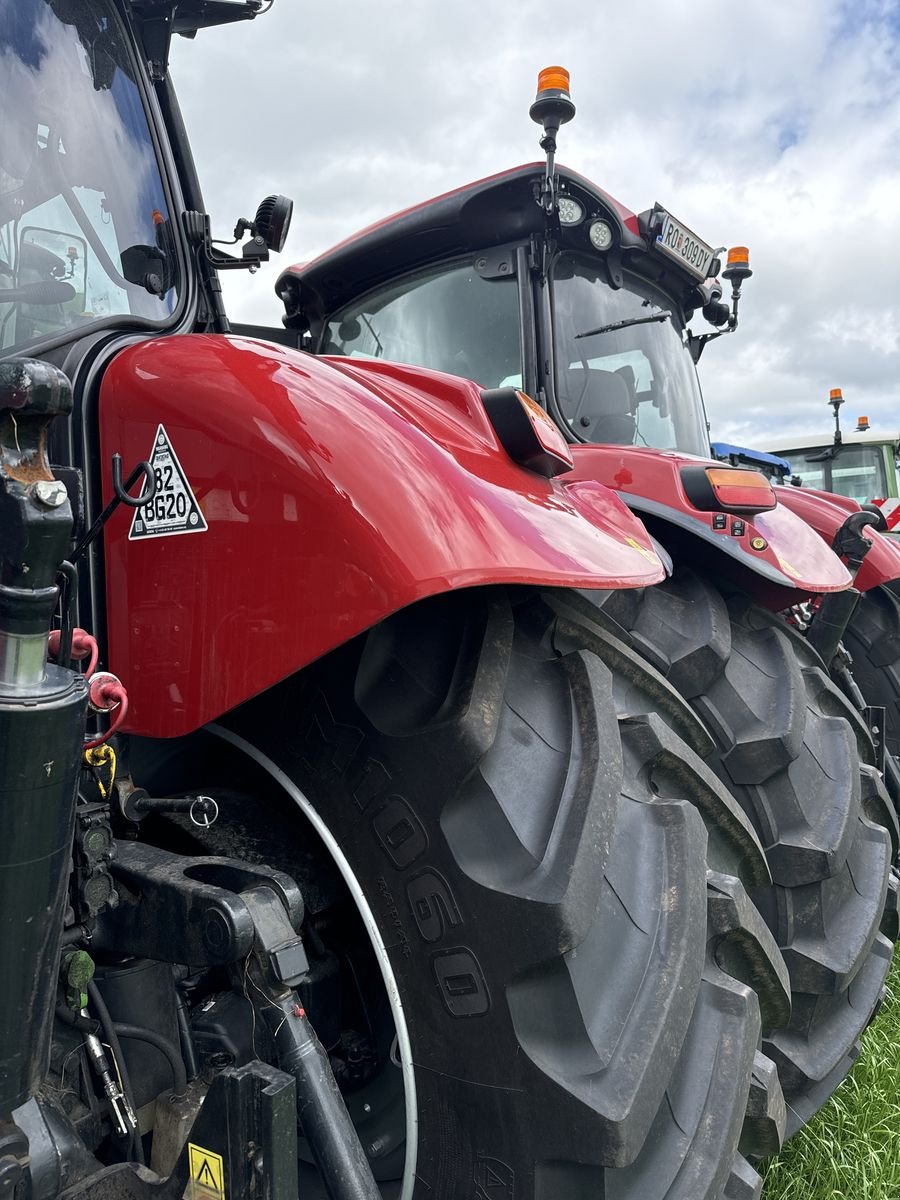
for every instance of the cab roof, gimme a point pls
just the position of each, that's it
(816, 441)
(492, 211)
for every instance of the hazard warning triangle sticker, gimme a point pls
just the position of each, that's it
(174, 508)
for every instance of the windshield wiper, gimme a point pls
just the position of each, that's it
(371, 329)
(660, 316)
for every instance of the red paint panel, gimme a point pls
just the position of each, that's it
(826, 513)
(792, 547)
(335, 493)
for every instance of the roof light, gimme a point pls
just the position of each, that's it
(712, 489)
(862, 424)
(570, 211)
(553, 79)
(600, 234)
(835, 394)
(526, 432)
(738, 263)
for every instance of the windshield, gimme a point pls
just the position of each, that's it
(450, 319)
(634, 385)
(84, 229)
(855, 471)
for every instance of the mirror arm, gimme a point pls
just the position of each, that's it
(84, 224)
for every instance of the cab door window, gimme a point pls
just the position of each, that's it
(85, 231)
(450, 319)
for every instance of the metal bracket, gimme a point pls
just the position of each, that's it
(244, 1140)
(874, 716)
(120, 496)
(179, 909)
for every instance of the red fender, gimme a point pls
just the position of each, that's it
(334, 493)
(826, 512)
(774, 556)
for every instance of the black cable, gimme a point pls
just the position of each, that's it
(109, 1032)
(77, 1021)
(188, 1053)
(163, 1045)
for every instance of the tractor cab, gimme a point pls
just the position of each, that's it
(536, 279)
(85, 228)
(99, 229)
(862, 464)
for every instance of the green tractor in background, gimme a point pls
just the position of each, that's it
(862, 464)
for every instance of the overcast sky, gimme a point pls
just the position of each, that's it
(774, 124)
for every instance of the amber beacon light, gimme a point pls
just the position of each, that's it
(737, 266)
(553, 103)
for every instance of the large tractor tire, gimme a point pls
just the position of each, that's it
(557, 886)
(873, 639)
(800, 762)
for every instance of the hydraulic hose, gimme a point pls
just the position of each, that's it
(163, 1045)
(327, 1126)
(77, 1021)
(112, 1039)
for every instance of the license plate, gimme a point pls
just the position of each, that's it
(679, 243)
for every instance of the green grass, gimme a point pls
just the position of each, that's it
(852, 1147)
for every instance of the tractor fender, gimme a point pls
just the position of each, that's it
(774, 556)
(826, 513)
(324, 496)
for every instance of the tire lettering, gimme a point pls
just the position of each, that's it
(400, 832)
(461, 982)
(327, 743)
(433, 905)
(373, 781)
(393, 915)
(429, 898)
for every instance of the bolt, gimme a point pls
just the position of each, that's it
(49, 492)
(367, 1108)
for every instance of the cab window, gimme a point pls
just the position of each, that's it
(855, 471)
(450, 319)
(624, 374)
(85, 234)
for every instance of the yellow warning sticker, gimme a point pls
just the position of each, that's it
(207, 1170)
(636, 545)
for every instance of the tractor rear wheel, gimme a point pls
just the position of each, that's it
(799, 760)
(559, 887)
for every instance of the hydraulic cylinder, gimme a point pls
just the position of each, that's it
(42, 717)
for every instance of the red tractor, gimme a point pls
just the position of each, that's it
(536, 279)
(425, 842)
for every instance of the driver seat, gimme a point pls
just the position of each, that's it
(599, 404)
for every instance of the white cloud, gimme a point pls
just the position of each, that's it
(768, 124)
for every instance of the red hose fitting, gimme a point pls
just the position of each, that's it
(83, 646)
(106, 693)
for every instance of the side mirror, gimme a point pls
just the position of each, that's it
(147, 266)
